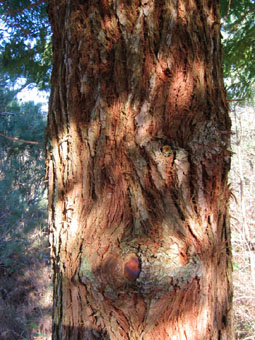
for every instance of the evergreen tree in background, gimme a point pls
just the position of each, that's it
(25, 60)
(25, 47)
(25, 55)
(21, 174)
(238, 28)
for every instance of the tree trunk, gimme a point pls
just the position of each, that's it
(137, 153)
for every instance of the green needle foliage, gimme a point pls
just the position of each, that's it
(25, 48)
(238, 27)
(23, 206)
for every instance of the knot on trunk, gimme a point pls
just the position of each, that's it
(132, 268)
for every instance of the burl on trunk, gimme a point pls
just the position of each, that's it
(137, 154)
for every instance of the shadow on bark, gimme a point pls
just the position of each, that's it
(81, 333)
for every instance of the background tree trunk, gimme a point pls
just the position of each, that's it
(138, 132)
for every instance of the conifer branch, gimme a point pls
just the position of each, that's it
(15, 139)
(236, 100)
(20, 10)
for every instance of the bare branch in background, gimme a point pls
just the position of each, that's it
(14, 139)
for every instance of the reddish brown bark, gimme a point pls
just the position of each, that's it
(138, 133)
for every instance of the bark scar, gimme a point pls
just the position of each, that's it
(132, 268)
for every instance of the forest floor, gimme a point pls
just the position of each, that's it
(26, 293)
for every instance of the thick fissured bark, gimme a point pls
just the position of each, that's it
(137, 152)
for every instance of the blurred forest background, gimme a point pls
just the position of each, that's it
(25, 64)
